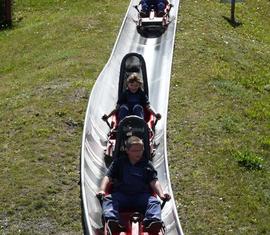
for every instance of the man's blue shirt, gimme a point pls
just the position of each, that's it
(129, 178)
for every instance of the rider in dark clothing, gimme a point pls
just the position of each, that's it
(158, 4)
(134, 179)
(133, 100)
(132, 103)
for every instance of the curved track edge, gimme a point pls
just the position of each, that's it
(156, 52)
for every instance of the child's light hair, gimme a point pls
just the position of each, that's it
(134, 77)
(133, 140)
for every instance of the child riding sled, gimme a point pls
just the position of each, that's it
(132, 101)
(134, 182)
(159, 6)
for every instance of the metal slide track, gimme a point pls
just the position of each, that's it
(158, 53)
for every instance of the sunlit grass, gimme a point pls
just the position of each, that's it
(219, 119)
(49, 62)
(248, 160)
(219, 106)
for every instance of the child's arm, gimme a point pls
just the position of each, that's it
(103, 186)
(156, 187)
(105, 116)
(157, 115)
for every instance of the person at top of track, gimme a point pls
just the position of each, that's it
(159, 6)
(134, 180)
(133, 100)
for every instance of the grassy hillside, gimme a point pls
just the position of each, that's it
(219, 119)
(49, 62)
(219, 113)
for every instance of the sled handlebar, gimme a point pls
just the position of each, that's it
(100, 197)
(136, 7)
(105, 119)
(158, 117)
(164, 202)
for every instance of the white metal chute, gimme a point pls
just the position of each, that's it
(157, 53)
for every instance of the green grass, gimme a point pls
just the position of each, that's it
(248, 160)
(219, 119)
(219, 109)
(49, 62)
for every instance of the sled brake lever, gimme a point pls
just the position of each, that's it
(106, 120)
(136, 7)
(164, 202)
(100, 198)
